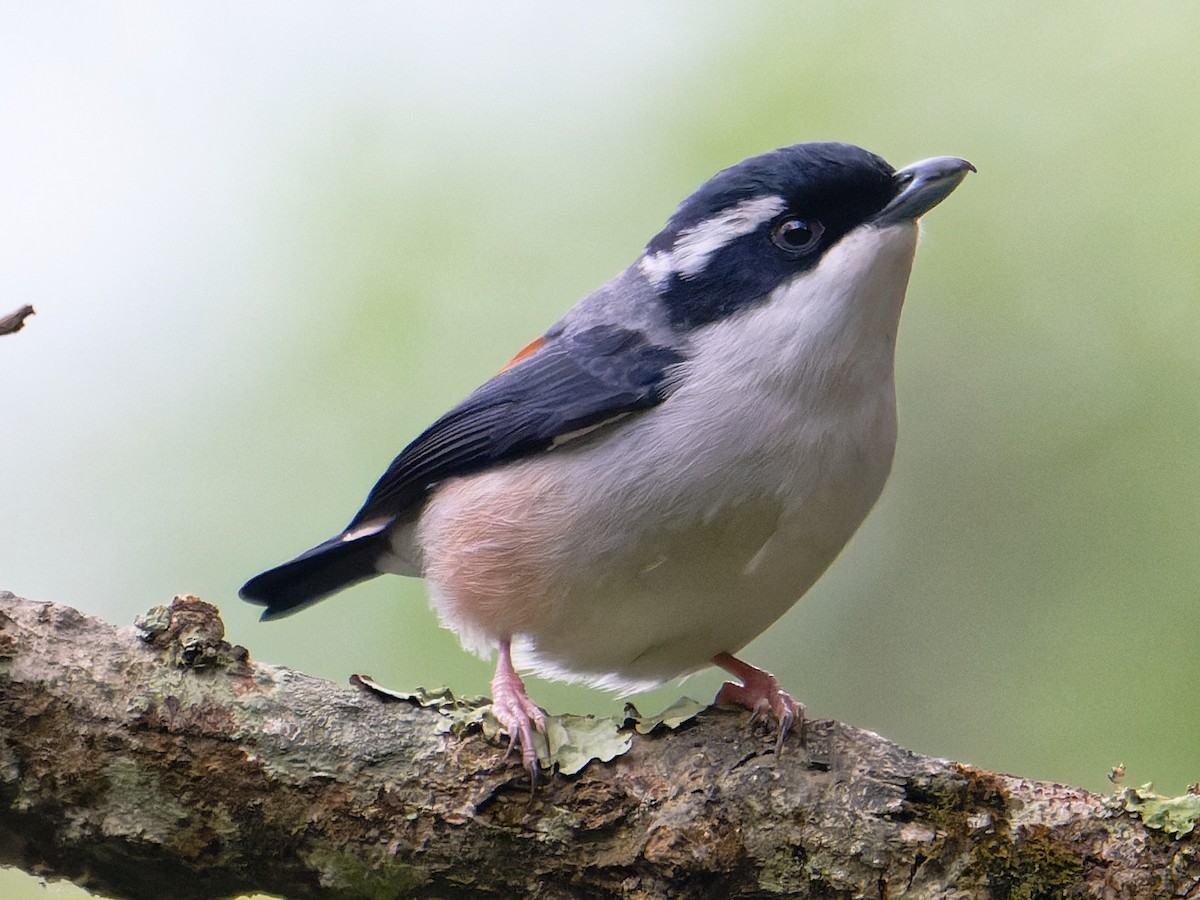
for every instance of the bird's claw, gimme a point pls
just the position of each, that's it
(760, 693)
(520, 717)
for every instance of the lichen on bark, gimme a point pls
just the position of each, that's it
(160, 760)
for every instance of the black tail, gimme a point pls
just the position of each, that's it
(315, 574)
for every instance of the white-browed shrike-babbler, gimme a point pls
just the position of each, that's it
(664, 472)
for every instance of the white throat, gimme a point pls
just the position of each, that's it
(830, 327)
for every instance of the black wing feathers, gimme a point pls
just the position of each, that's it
(568, 384)
(572, 383)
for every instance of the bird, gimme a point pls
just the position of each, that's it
(664, 472)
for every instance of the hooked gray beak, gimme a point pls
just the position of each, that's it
(922, 186)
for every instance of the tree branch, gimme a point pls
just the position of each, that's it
(161, 761)
(15, 321)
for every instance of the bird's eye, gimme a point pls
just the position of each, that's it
(796, 235)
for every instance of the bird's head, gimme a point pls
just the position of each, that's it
(761, 223)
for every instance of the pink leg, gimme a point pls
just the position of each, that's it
(760, 693)
(515, 711)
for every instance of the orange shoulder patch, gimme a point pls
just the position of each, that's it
(529, 349)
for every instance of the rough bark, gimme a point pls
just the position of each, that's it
(161, 761)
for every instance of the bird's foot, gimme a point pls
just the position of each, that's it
(519, 715)
(760, 693)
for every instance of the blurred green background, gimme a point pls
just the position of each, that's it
(268, 244)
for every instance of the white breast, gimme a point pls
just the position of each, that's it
(636, 554)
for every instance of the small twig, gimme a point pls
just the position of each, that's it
(14, 322)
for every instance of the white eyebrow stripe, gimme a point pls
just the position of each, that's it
(696, 245)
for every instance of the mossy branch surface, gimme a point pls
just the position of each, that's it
(161, 761)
